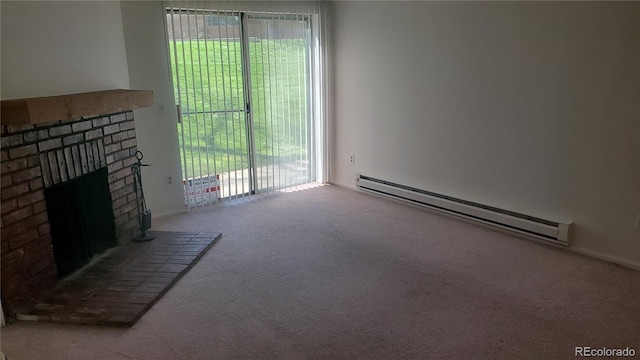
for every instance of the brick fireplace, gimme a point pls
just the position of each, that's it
(39, 156)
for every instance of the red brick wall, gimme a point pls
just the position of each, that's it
(28, 264)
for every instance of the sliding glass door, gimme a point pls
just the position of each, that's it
(243, 82)
(279, 73)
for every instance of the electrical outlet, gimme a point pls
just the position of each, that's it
(352, 159)
(169, 180)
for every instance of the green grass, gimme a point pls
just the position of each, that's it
(212, 86)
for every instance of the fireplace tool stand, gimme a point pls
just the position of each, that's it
(144, 214)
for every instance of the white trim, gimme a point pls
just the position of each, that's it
(604, 257)
(168, 213)
(344, 185)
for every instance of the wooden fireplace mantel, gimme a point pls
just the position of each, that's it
(51, 109)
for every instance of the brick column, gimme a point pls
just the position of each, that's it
(28, 265)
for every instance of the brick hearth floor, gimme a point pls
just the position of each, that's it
(118, 287)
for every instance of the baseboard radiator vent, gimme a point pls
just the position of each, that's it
(551, 231)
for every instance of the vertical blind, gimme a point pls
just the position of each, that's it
(250, 86)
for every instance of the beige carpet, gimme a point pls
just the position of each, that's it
(330, 273)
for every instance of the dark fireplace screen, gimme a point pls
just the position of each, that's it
(81, 218)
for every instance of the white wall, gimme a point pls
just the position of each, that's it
(57, 47)
(156, 127)
(531, 107)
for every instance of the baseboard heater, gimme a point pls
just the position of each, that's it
(552, 231)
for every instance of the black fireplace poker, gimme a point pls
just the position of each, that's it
(144, 214)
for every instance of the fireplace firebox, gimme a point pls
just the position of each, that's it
(81, 220)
